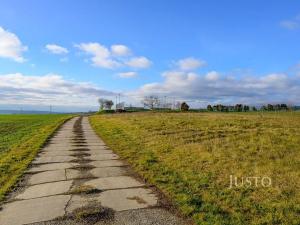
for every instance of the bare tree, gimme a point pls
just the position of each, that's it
(108, 104)
(184, 106)
(105, 103)
(101, 103)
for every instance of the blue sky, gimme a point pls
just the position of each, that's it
(189, 50)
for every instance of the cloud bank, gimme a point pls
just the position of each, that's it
(213, 87)
(48, 89)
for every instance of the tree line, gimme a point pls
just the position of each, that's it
(153, 102)
(246, 108)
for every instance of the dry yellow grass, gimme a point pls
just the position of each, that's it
(190, 157)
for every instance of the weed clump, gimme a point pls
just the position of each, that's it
(92, 213)
(84, 189)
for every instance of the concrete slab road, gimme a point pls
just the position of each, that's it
(77, 179)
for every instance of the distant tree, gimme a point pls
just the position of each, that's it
(184, 106)
(105, 104)
(150, 101)
(231, 108)
(270, 107)
(246, 108)
(219, 108)
(238, 108)
(101, 103)
(108, 104)
(263, 108)
(277, 107)
(209, 108)
(254, 108)
(225, 108)
(284, 107)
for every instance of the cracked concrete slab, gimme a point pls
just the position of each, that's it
(77, 202)
(78, 174)
(103, 157)
(56, 153)
(47, 189)
(107, 163)
(107, 183)
(46, 177)
(53, 159)
(95, 173)
(52, 166)
(72, 153)
(96, 148)
(126, 199)
(34, 210)
(50, 148)
(108, 172)
(118, 200)
(58, 146)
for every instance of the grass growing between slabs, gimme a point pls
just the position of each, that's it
(21, 136)
(190, 157)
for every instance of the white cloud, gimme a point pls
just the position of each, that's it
(190, 63)
(120, 50)
(292, 24)
(213, 88)
(11, 46)
(212, 76)
(117, 56)
(56, 49)
(127, 74)
(48, 89)
(139, 62)
(101, 56)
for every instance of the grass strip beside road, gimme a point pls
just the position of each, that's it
(190, 157)
(21, 137)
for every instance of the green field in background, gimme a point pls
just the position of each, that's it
(21, 136)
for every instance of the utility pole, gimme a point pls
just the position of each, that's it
(50, 108)
(116, 101)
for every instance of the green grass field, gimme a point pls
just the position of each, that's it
(21, 136)
(190, 157)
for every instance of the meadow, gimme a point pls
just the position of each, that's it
(21, 137)
(191, 156)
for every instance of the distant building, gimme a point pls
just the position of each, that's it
(120, 106)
